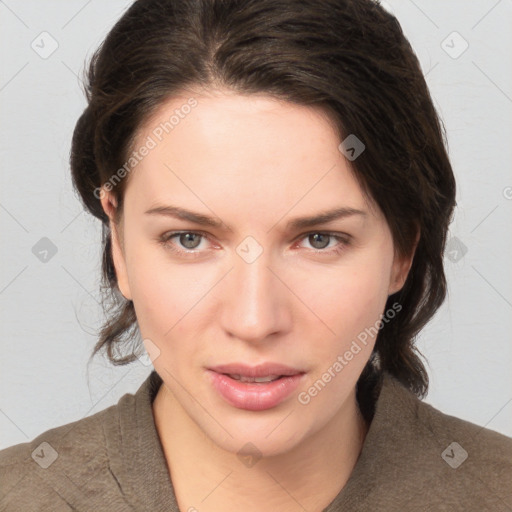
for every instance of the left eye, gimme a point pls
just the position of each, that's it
(321, 239)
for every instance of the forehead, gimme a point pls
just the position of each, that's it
(254, 119)
(244, 151)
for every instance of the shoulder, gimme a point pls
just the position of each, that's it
(449, 459)
(462, 439)
(484, 445)
(60, 468)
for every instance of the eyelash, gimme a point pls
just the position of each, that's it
(165, 238)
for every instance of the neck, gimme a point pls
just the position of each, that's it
(210, 479)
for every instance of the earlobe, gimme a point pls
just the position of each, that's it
(109, 205)
(399, 275)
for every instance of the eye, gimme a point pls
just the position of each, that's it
(320, 241)
(188, 242)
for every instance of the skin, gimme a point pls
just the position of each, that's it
(254, 162)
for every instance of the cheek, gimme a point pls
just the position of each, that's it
(162, 292)
(350, 297)
(350, 301)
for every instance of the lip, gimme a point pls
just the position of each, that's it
(252, 396)
(260, 370)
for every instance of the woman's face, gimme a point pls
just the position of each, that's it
(253, 286)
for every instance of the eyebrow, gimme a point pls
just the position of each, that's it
(293, 224)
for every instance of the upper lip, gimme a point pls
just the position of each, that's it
(260, 370)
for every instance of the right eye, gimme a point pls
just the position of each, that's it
(187, 240)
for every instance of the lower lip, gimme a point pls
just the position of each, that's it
(251, 396)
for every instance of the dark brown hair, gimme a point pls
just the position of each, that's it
(347, 57)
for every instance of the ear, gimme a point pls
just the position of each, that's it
(401, 266)
(109, 204)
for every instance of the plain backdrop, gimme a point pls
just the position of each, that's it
(49, 304)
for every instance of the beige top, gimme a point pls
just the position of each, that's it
(413, 459)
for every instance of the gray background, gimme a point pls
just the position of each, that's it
(50, 303)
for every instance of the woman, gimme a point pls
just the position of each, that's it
(276, 194)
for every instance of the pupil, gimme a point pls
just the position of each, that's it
(315, 237)
(185, 239)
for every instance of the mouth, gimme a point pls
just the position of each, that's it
(255, 388)
(258, 380)
(264, 370)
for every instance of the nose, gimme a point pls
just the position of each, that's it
(255, 305)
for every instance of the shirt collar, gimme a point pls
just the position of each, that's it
(136, 454)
